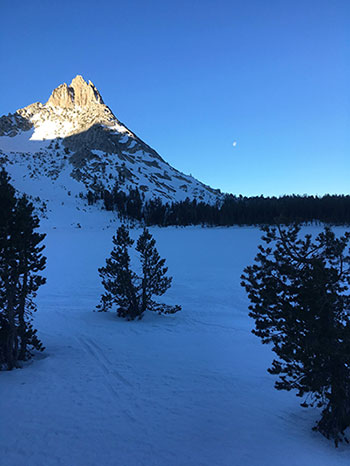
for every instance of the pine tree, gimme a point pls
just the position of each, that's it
(130, 292)
(8, 274)
(118, 279)
(30, 262)
(300, 303)
(154, 281)
(20, 262)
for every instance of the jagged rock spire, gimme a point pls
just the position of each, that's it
(79, 92)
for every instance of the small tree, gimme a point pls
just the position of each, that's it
(118, 279)
(300, 304)
(130, 292)
(154, 281)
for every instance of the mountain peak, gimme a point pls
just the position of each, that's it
(78, 93)
(76, 135)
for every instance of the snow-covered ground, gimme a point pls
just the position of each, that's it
(184, 390)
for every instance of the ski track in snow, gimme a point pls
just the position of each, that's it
(184, 390)
(97, 352)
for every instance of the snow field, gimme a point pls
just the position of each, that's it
(184, 390)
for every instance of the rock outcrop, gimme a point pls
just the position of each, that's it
(79, 93)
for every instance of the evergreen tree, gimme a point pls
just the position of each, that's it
(123, 287)
(154, 281)
(8, 274)
(300, 302)
(30, 262)
(20, 262)
(118, 279)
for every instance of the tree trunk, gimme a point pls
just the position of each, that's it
(336, 416)
(12, 339)
(21, 321)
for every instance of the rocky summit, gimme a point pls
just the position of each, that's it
(74, 144)
(78, 93)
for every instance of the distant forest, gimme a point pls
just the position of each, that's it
(233, 210)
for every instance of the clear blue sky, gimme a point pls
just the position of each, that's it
(192, 77)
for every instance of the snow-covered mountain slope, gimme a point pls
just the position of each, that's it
(74, 143)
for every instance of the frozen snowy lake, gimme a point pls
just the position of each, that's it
(184, 390)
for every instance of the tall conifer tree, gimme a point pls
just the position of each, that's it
(8, 273)
(30, 263)
(299, 293)
(20, 262)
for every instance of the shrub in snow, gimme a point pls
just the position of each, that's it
(20, 262)
(133, 294)
(299, 293)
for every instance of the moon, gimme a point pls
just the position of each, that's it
(234, 143)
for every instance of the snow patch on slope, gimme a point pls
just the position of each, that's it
(23, 142)
(51, 129)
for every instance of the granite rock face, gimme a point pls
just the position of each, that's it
(62, 96)
(79, 93)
